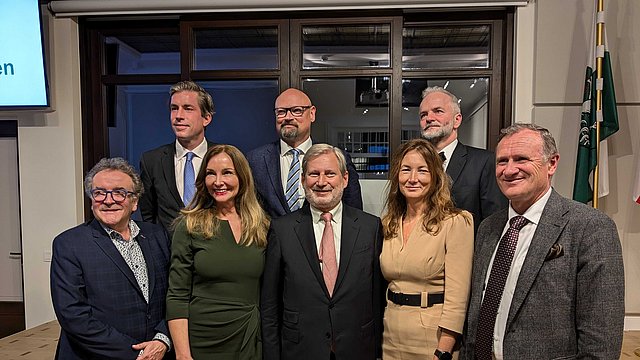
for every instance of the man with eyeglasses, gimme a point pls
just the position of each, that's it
(109, 275)
(169, 171)
(276, 166)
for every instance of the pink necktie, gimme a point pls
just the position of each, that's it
(328, 254)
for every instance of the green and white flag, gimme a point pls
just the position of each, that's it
(608, 117)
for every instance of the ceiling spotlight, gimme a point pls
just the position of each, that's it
(446, 85)
(365, 111)
(459, 101)
(473, 83)
(406, 108)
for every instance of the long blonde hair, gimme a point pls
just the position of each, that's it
(438, 201)
(200, 216)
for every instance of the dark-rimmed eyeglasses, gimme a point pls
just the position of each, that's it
(294, 110)
(118, 195)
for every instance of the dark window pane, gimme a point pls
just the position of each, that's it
(346, 46)
(243, 116)
(142, 54)
(141, 121)
(446, 47)
(236, 48)
(344, 120)
(473, 101)
(244, 112)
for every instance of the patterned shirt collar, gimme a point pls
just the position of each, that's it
(114, 235)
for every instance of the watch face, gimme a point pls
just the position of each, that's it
(443, 355)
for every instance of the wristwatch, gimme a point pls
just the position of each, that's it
(443, 355)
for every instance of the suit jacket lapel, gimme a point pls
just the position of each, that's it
(348, 239)
(304, 230)
(105, 243)
(547, 233)
(143, 241)
(169, 171)
(272, 163)
(457, 161)
(487, 247)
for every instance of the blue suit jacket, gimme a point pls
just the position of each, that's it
(265, 166)
(99, 305)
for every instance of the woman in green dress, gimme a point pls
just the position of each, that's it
(216, 263)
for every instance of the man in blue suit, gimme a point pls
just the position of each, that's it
(279, 187)
(109, 275)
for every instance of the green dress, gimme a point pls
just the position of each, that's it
(215, 284)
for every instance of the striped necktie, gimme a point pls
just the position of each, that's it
(293, 181)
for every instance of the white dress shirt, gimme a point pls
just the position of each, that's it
(533, 214)
(448, 152)
(181, 158)
(336, 223)
(286, 158)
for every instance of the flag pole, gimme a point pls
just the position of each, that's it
(599, 81)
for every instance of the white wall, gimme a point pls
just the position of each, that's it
(551, 57)
(50, 166)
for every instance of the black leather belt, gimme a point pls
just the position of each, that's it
(422, 300)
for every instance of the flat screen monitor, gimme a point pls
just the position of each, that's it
(23, 80)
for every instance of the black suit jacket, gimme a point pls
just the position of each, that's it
(474, 187)
(299, 318)
(161, 201)
(96, 298)
(265, 166)
(568, 302)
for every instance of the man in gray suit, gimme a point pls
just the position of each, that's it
(548, 279)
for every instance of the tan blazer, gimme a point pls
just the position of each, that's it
(428, 263)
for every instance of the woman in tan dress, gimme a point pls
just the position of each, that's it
(426, 258)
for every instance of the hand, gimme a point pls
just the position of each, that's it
(151, 350)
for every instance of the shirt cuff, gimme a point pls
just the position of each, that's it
(163, 338)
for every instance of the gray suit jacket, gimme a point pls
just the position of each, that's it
(569, 298)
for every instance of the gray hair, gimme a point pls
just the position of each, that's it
(549, 147)
(320, 149)
(455, 104)
(114, 164)
(205, 101)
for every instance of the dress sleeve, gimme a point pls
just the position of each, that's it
(180, 274)
(458, 260)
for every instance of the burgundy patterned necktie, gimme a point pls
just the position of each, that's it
(495, 288)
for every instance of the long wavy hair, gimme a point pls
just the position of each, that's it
(200, 216)
(439, 204)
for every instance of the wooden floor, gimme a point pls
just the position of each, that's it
(40, 343)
